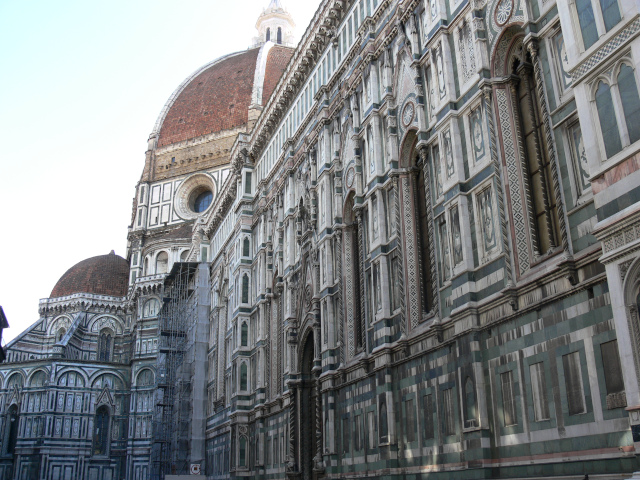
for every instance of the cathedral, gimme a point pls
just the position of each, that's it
(407, 247)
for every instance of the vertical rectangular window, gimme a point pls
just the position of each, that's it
(508, 399)
(346, 435)
(539, 392)
(359, 444)
(587, 22)
(612, 369)
(247, 183)
(610, 13)
(448, 412)
(410, 420)
(371, 430)
(395, 278)
(427, 408)
(573, 383)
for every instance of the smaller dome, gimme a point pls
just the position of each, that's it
(101, 275)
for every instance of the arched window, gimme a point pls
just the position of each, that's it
(183, 256)
(12, 429)
(245, 288)
(151, 308)
(279, 42)
(145, 378)
(242, 454)
(145, 270)
(101, 431)
(384, 424)
(538, 165)
(105, 344)
(38, 379)
(470, 400)
(243, 376)
(60, 335)
(245, 248)
(608, 123)
(630, 101)
(162, 262)
(244, 334)
(268, 34)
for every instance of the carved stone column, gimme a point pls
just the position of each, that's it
(497, 170)
(513, 86)
(363, 287)
(400, 274)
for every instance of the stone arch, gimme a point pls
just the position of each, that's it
(145, 377)
(37, 376)
(15, 378)
(79, 375)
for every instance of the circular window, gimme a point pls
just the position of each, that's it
(195, 196)
(202, 201)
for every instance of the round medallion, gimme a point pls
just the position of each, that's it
(351, 176)
(407, 114)
(504, 11)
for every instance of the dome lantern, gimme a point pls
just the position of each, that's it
(275, 24)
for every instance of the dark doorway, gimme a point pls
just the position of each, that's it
(308, 445)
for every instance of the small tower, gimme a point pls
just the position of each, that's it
(276, 25)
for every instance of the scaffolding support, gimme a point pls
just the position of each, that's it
(170, 453)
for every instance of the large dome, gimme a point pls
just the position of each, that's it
(101, 275)
(217, 97)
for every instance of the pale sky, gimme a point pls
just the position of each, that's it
(82, 83)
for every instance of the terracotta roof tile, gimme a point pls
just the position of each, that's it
(215, 100)
(102, 275)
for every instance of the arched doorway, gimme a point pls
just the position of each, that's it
(308, 409)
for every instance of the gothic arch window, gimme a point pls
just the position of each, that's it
(244, 377)
(279, 42)
(162, 262)
(145, 270)
(384, 423)
(246, 247)
(416, 216)
(60, 335)
(244, 335)
(101, 431)
(11, 432)
(470, 403)
(105, 345)
(268, 34)
(617, 103)
(595, 18)
(242, 452)
(536, 162)
(245, 288)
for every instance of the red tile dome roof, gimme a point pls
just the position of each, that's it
(101, 275)
(217, 97)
